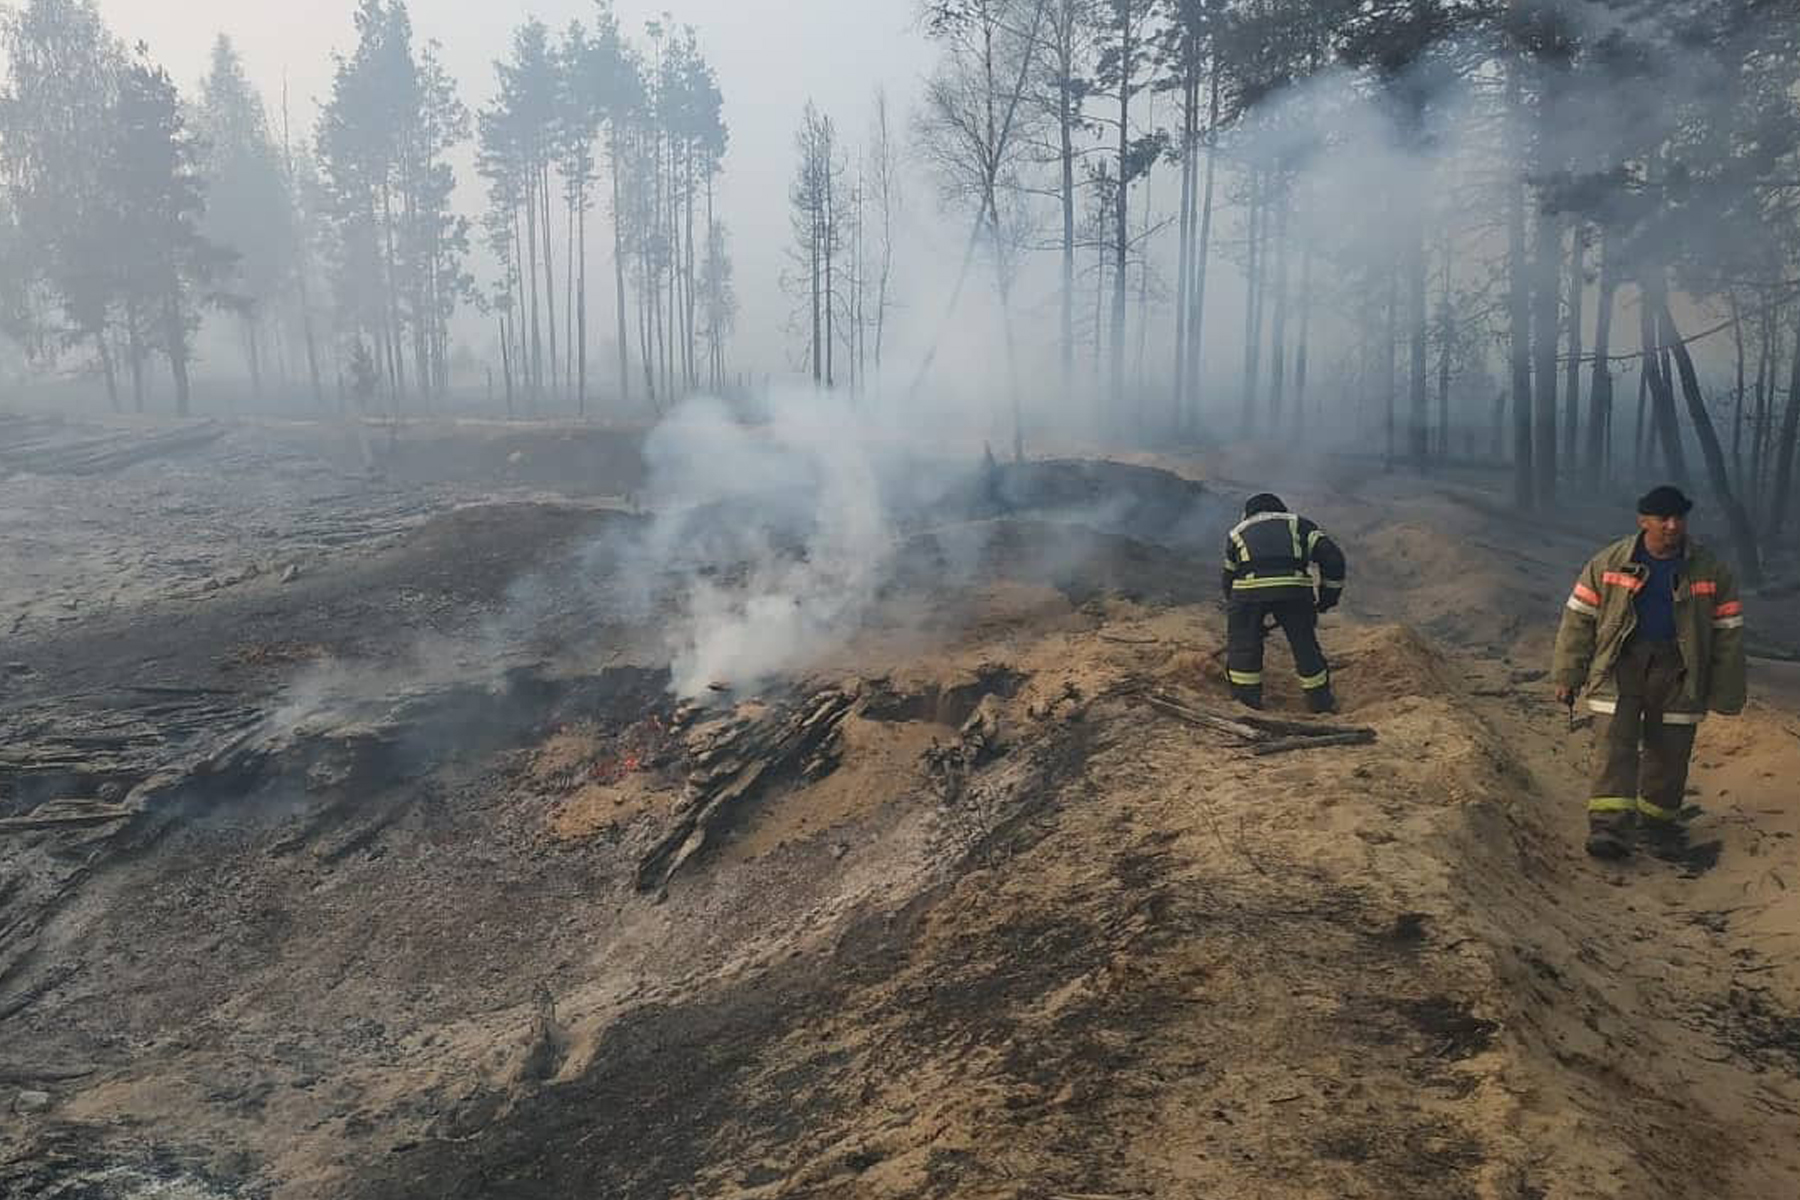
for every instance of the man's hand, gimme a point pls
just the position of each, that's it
(1565, 695)
(1327, 601)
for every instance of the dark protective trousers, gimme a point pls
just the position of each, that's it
(1640, 755)
(1244, 632)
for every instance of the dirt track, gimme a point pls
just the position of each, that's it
(395, 948)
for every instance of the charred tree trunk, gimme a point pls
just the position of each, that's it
(1278, 346)
(1784, 450)
(1419, 422)
(1390, 371)
(1197, 296)
(1743, 534)
(1190, 122)
(506, 365)
(537, 338)
(1572, 371)
(1600, 391)
(1253, 300)
(1518, 311)
(1546, 327)
(619, 276)
(1446, 343)
(1664, 422)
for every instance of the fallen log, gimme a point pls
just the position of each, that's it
(1283, 745)
(59, 814)
(1205, 720)
(1265, 735)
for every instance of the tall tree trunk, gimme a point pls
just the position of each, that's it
(581, 320)
(1121, 201)
(1190, 120)
(1518, 311)
(1196, 316)
(1572, 368)
(1743, 535)
(1600, 390)
(506, 365)
(1546, 329)
(1419, 424)
(815, 250)
(253, 355)
(549, 275)
(1390, 371)
(569, 304)
(531, 260)
(1765, 387)
(1666, 424)
(1278, 350)
(1446, 343)
(1252, 277)
(1738, 395)
(619, 275)
(175, 335)
(1784, 450)
(1306, 269)
(135, 354)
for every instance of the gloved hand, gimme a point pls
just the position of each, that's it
(1328, 601)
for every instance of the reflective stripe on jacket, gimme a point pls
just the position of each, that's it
(1600, 615)
(1270, 557)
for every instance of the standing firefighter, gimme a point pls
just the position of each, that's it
(1653, 638)
(1268, 562)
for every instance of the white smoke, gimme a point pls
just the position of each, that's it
(794, 500)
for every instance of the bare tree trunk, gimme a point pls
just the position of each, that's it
(569, 295)
(1765, 387)
(1306, 268)
(1519, 312)
(1600, 391)
(1278, 350)
(1390, 372)
(1784, 450)
(1743, 535)
(506, 365)
(531, 260)
(1662, 392)
(1419, 431)
(1252, 298)
(1190, 120)
(619, 274)
(581, 321)
(1446, 343)
(1572, 366)
(1740, 396)
(134, 354)
(1197, 304)
(1546, 326)
(549, 277)
(175, 336)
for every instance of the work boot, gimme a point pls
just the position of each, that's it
(1666, 840)
(1611, 840)
(1321, 700)
(1249, 697)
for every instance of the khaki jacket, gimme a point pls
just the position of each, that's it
(1709, 626)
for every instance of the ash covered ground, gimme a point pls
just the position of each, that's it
(526, 820)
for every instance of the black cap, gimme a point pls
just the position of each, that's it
(1664, 501)
(1263, 502)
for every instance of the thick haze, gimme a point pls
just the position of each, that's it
(770, 58)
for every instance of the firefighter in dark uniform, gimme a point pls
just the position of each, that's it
(1269, 558)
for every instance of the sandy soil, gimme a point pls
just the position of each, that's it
(395, 948)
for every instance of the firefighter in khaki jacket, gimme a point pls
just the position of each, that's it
(1653, 639)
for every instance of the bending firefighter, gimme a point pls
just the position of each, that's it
(1268, 578)
(1652, 638)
